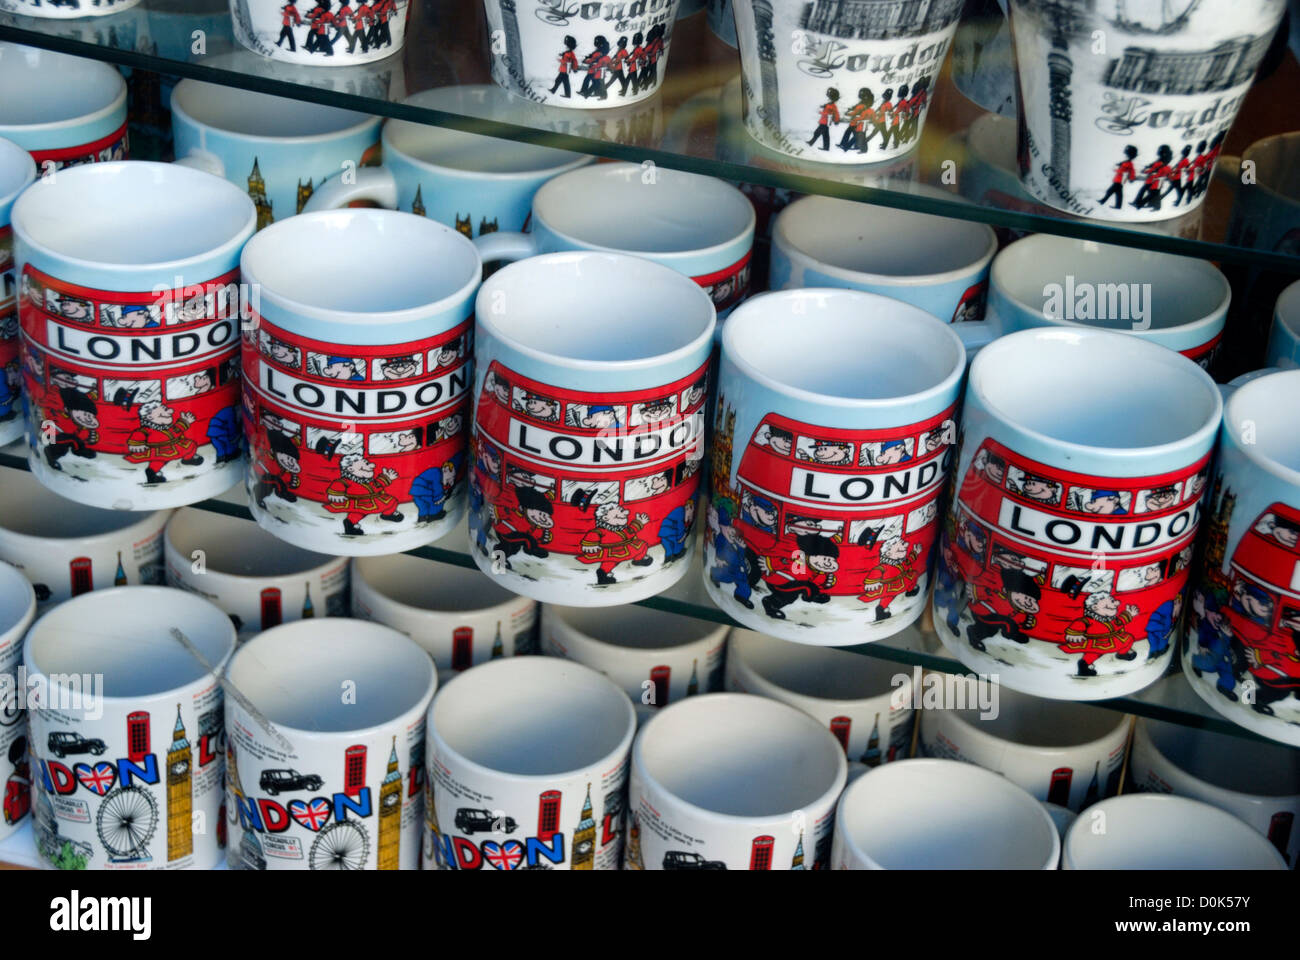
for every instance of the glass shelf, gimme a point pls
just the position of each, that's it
(692, 124)
(1170, 699)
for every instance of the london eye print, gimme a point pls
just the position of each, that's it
(126, 823)
(342, 845)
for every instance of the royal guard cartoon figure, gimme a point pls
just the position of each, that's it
(675, 529)
(318, 40)
(804, 576)
(971, 306)
(1155, 172)
(1177, 172)
(1011, 610)
(341, 18)
(359, 492)
(915, 107)
(622, 68)
(1125, 172)
(568, 65)
(829, 115)
(1207, 167)
(76, 428)
(160, 439)
(613, 541)
(895, 574)
(291, 19)
(431, 489)
(381, 34)
(1100, 631)
(654, 49)
(527, 526)
(636, 63)
(731, 564)
(858, 116)
(596, 63)
(363, 21)
(279, 469)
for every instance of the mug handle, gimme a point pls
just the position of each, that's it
(976, 334)
(1227, 170)
(506, 245)
(376, 184)
(202, 160)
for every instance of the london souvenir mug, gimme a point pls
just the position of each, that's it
(841, 82)
(1148, 831)
(65, 9)
(127, 730)
(588, 433)
(475, 183)
(17, 608)
(865, 703)
(66, 548)
(1076, 502)
(460, 617)
(708, 794)
(516, 784)
(1266, 207)
(653, 214)
(1240, 651)
(278, 149)
(319, 702)
(1067, 754)
(17, 171)
(130, 311)
(936, 263)
(656, 658)
(315, 35)
(941, 815)
(258, 580)
(832, 440)
(574, 54)
(355, 390)
(1132, 133)
(1284, 336)
(1259, 783)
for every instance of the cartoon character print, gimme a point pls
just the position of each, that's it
(318, 29)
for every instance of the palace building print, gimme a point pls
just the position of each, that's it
(180, 795)
(390, 815)
(1183, 73)
(879, 19)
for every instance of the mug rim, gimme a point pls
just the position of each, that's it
(23, 623)
(551, 613)
(143, 520)
(171, 550)
(752, 675)
(117, 103)
(18, 154)
(1280, 471)
(360, 581)
(190, 83)
(1286, 310)
(1142, 732)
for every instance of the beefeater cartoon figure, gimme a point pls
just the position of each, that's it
(1010, 611)
(527, 526)
(1100, 631)
(613, 541)
(895, 574)
(806, 575)
(359, 492)
(160, 439)
(76, 428)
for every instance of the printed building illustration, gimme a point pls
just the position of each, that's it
(633, 861)
(390, 815)
(354, 770)
(81, 576)
(760, 853)
(879, 19)
(1182, 72)
(180, 795)
(417, 205)
(257, 191)
(548, 815)
(514, 57)
(584, 838)
(305, 190)
(796, 863)
(770, 111)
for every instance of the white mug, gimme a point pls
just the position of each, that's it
(656, 658)
(314, 35)
(1149, 831)
(460, 617)
(127, 767)
(941, 815)
(1259, 783)
(865, 703)
(17, 609)
(516, 784)
(1284, 336)
(257, 579)
(730, 781)
(325, 750)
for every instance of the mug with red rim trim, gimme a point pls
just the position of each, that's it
(17, 171)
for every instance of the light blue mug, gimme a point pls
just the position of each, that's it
(1284, 338)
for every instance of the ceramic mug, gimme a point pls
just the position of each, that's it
(936, 263)
(514, 783)
(315, 36)
(460, 617)
(17, 171)
(865, 703)
(1075, 508)
(79, 115)
(259, 581)
(1111, 136)
(1256, 782)
(841, 82)
(1148, 831)
(318, 702)
(469, 181)
(658, 219)
(17, 608)
(280, 150)
(66, 548)
(356, 395)
(1042, 746)
(722, 21)
(130, 332)
(733, 782)
(588, 434)
(656, 658)
(1240, 653)
(65, 9)
(1266, 210)
(127, 730)
(542, 57)
(832, 438)
(941, 815)
(1284, 336)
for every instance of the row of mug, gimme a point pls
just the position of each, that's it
(718, 781)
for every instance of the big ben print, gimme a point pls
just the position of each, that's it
(180, 774)
(390, 815)
(584, 838)
(633, 861)
(257, 192)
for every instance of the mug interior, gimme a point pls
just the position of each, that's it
(740, 755)
(1175, 291)
(29, 509)
(55, 87)
(434, 587)
(612, 205)
(1037, 722)
(842, 344)
(894, 244)
(235, 547)
(1277, 164)
(1269, 405)
(1095, 388)
(503, 716)
(247, 113)
(633, 627)
(16, 598)
(122, 634)
(1226, 762)
(294, 673)
(809, 671)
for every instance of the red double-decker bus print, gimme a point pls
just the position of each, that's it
(602, 479)
(1095, 567)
